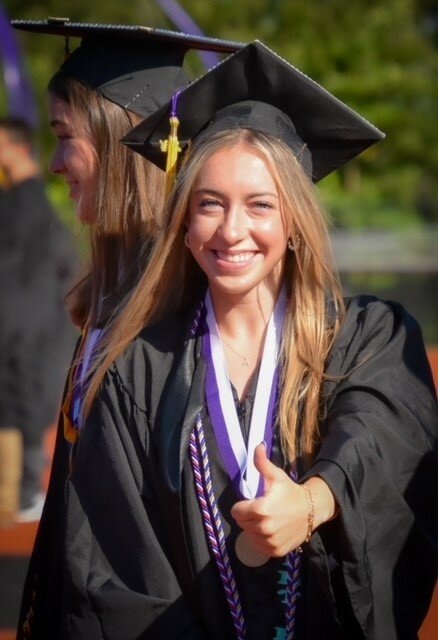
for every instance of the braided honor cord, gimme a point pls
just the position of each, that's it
(293, 590)
(213, 524)
(217, 543)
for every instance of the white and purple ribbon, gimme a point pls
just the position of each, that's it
(237, 458)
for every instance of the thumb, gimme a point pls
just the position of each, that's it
(265, 467)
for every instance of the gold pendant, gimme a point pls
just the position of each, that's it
(247, 554)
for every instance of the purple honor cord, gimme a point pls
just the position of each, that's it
(239, 461)
(217, 543)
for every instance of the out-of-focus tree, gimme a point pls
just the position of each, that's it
(381, 58)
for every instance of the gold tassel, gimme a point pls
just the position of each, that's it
(172, 147)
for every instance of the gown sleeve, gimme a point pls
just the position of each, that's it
(119, 582)
(379, 457)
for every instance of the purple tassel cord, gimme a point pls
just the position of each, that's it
(217, 543)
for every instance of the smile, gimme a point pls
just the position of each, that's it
(236, 258)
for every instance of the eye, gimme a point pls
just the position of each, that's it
(209, 203)
(262, 205)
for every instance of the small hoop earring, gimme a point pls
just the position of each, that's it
(186, 239)
(292, 246)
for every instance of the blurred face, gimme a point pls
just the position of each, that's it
(7, 151)
(236, 231)
(12, 153)
(75, 159)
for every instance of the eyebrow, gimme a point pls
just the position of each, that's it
(221, 195)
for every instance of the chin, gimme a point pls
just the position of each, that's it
(85, 215)
(234, 288)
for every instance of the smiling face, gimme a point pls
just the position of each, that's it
(236, 230)
(75, 158)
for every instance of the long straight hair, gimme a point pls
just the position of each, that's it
(129, 200)
(173, 279)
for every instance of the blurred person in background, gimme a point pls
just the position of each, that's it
(37, 263)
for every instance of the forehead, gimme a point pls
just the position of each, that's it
(239, 163)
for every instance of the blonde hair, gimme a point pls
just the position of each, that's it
(129, 198)
(173, 279)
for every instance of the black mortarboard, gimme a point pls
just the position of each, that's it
(138, 68)
(256, 89)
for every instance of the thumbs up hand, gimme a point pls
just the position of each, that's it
(278, 521)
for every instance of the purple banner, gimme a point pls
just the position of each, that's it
(184, 22)
(21, 102)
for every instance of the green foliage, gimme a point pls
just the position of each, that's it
(379, 57)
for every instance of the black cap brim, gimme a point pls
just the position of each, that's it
(138, 68)
(332, 132)
(63, 27)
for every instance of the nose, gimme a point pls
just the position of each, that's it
(234, 225)
(56, 164)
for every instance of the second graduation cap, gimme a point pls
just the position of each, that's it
(256, 89)
(136, 67)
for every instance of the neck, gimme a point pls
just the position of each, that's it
(243, 315)
(242, 323)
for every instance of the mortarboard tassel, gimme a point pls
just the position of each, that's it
(171, 146)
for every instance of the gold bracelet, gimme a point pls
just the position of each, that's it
(311, 512)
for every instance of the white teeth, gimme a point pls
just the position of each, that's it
(235, 257)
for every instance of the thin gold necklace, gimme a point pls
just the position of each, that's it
(244, 358)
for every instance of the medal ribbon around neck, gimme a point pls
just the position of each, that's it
(238, 460)
(77, 385)
(81, 384)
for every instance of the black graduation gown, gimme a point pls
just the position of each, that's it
(135, 560)
(37, 264)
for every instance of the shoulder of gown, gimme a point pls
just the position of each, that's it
(142, 370)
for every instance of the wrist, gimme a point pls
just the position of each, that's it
(324, 503)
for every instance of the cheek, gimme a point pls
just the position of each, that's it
(200, 229)
(82, 159)
(271, 230)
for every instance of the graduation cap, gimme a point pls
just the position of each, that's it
(138, 68)
(256, 89)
